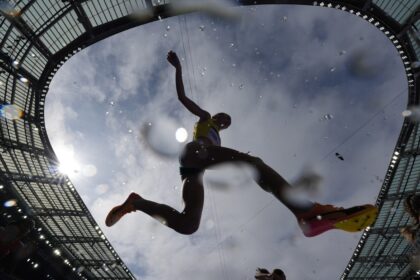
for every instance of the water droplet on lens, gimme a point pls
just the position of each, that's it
(202, 27)
(406, 113)
(332, 69)
(284, 19)
(165, 35)
(343, 52)
(328, 117)
(168, 28)
(241, 86)
(231, 45)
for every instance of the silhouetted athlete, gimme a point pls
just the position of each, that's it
(206, 151)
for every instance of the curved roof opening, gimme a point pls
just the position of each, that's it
(301, 84)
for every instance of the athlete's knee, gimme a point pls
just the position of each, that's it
(189, 228)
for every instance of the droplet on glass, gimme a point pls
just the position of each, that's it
(406, 113)
(202, 27)
(89, 170)
(342, 52)
(10, 112)
(332, 69)
(111, 103)
(339, 156)
(130, 131)
(231, 45)
(328, 117)
(210, 224)
(10, 203)
(284, 19)
(168, 28)
(233, 65)
(165, 35)
(161, 137)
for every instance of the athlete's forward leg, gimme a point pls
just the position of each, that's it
(185, 222)
(313, 218)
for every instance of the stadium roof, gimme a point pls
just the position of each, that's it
(37, 37)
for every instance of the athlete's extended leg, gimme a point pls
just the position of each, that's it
(185, 222)
(314, 219)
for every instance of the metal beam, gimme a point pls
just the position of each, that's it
(415, 16)
(7, 144)
(30, 178)
(81, 16)
(16, 72)
(45, 212)
(403, 259)
(78, 239)
(18, 23)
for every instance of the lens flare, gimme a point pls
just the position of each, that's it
(11, 112)
(10, 203)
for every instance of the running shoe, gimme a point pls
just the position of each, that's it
(119, 211)
(321, 218)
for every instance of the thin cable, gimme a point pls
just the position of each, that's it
(213, 204)
(189, 49)
(362, 126)
(185, 52)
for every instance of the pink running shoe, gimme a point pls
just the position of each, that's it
(321, 218)
(119, 211)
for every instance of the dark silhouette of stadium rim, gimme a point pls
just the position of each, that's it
(37, 37)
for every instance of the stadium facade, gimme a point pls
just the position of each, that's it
(37, 37)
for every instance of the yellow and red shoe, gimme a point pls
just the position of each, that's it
(119, 211)
(321, 218)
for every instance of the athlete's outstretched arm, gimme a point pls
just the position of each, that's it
(188, 103)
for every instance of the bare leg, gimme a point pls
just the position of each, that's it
(268, 179)
(186, 222)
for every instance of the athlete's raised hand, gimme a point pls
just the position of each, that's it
(173, 59)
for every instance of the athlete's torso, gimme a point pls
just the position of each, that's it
(207, 132)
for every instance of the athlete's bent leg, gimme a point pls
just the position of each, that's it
(185, 222)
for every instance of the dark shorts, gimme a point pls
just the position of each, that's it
(189, 171)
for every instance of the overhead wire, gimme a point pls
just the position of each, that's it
(364, 124)
(190, 67)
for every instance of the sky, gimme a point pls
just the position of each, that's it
(300, 83)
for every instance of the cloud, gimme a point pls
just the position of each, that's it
(276, 83)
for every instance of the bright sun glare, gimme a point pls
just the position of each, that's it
(181, 134)
(68, 163)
